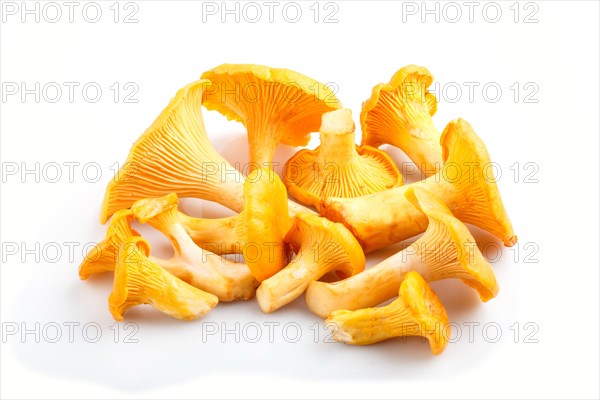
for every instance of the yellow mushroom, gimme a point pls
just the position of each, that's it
(141, 281)
(104, 256)
(199, 267)
(276, 105)
(446, 250)
(321, 246)
(465, 184)
(399, 113)
(416, 312)
(338, 167)
(174, 155)
(218, 235)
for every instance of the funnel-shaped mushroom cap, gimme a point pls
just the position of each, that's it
(452, 251)
(321, 246)
(141, 281)
(478, 200)
(331, 244)
(266, 221)
(175, 155)
(339, 168)
(276, 105)
(416, 312)
(399, 113)
(103, 256)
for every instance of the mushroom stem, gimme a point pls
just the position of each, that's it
(367, 289)
(289, 283)
(338, 167)
(337, 138)
(227, 280)
(219, 235)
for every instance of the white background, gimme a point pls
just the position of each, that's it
(169, 46)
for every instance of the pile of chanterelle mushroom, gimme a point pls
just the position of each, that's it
(357, 191)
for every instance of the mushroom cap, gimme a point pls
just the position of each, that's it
(426, 308)
(371, 172)
(267, 221)
(132, 252)
(480, 274)
(336, 243)
(285, 99)
(103, 256)
(339, 168)
(481, 203)
(175, 155)
(395, 91)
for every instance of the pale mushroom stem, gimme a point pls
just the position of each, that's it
(223, 278)
(289, 283)
(219, 235)
(337, 138)
(369, 288)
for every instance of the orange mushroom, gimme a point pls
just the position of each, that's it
(464, 184)
(175, 155)
(276, 105)
(416, 312)
(199, 267)
(141, 281)
(446, 250)
(321, 246)
(338, 167)
(399, 113)
(104, 256)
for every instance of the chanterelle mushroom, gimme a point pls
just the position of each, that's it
(103, 257)
(219, 235)
(199, 267)
(446, 250)
(320, 246)
(141, 281)
(174, 155)
(464, 184)
(416, 312)
(276, 105)
(399, 113)
(338, 167)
